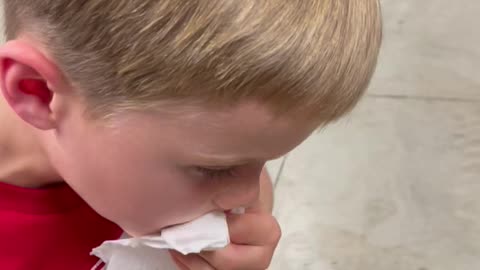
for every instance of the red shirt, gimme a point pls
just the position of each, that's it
(51, 228)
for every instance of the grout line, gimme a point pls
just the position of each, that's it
(407, 97)
(279, 173)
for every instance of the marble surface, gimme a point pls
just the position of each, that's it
(394, 186)
(430, 49)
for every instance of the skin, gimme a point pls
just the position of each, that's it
(145, 170)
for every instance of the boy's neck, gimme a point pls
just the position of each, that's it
(22, 161)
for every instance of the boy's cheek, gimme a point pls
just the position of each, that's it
(144, 212)
(141, 199)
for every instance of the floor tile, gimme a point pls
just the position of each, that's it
(393, 187)
(430, 49)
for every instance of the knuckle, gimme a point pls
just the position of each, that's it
(276, 232)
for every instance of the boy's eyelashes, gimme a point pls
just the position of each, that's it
(224, 173)
(214, 173)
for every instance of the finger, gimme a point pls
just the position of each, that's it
(253, 229)
(179, 264)
(191, 262)
(175, 257)
(239, 257)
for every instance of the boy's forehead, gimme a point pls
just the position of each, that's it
(246, 131)
(247, 116)
(241, 133)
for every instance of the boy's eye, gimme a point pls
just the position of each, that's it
(212, 173)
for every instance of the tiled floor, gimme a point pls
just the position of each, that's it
(395, 185)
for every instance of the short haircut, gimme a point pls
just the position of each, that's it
(316, 56)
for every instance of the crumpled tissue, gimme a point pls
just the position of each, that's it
(209, 232)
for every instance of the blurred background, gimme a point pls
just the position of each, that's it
(396, 184)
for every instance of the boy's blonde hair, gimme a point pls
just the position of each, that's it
(315, 56)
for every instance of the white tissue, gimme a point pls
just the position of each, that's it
(209, 232)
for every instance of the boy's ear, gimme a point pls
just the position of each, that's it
(28, 81)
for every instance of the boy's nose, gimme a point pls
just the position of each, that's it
(239, 196)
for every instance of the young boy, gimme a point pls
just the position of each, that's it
(135, 115)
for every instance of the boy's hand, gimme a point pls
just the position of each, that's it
(254, 237)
